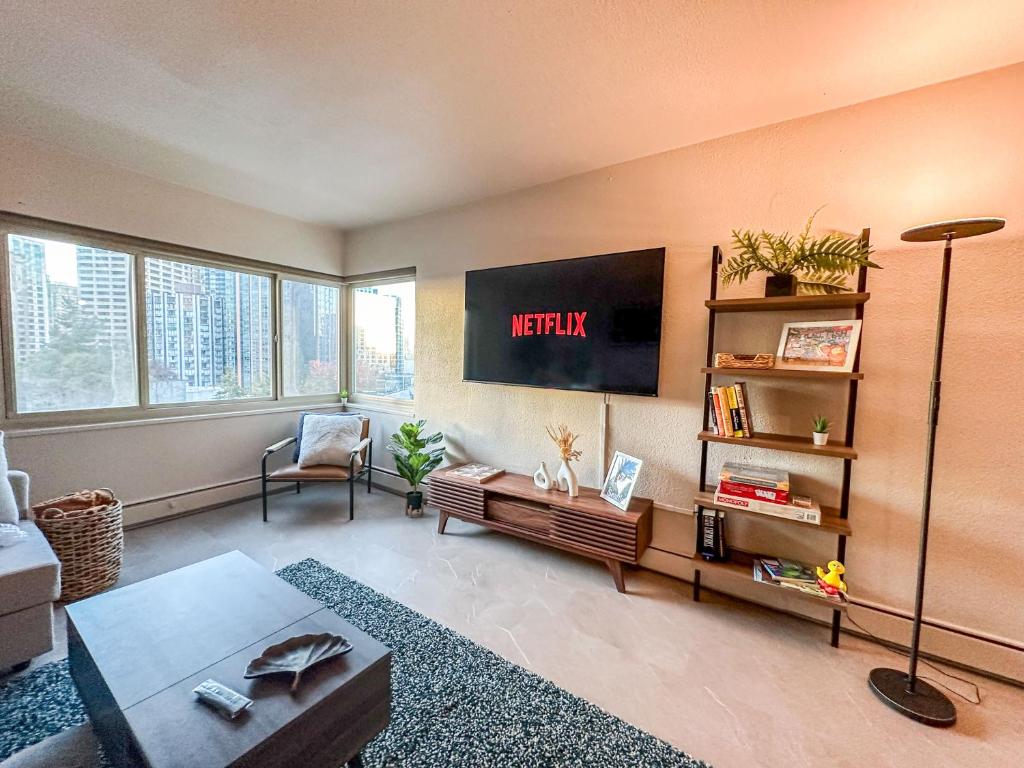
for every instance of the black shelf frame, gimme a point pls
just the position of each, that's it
(853, 385)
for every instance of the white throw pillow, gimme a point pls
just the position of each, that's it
(8, 504)
(329, 440)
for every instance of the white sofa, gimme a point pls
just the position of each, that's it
(29, 584)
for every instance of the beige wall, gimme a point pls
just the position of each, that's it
(944, 151)
(153, 460)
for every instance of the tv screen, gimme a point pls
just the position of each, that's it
(591, 324)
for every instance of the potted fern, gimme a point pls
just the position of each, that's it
(804, 263)
(414, 460)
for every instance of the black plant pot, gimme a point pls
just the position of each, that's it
(414, 504)
(780, 285)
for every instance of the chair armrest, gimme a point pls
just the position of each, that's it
(278, 446)
(360, 445)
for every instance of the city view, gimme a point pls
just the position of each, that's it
(208, 330)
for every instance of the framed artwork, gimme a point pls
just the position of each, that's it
(618, 485)
(826, 345)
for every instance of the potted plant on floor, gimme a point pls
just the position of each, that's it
(414, 460)
(820, 434)
(804, 263)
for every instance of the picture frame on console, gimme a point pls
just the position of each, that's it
(621, 480)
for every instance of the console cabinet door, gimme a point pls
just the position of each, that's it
(614, 539)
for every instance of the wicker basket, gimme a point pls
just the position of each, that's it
(85, 531)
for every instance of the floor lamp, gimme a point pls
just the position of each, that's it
(904, 692)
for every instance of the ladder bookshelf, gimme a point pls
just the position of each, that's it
(835, 520)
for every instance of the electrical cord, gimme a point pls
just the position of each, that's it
(977, 690)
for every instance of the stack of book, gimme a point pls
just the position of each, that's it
(763, 490)
(730, 411)
(792, 575)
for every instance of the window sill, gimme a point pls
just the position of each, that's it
(396, 407)
(14, 431)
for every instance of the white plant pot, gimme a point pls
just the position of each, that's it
(567, 480)
(820, 438)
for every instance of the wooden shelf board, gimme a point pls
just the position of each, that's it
(743, 568)
(783, 373)
(830, 519)
(791, 443)
(788, 303)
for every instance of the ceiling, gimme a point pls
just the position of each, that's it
(350, 113)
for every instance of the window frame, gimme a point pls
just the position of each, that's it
(379, 402)
(282, 277)
(139, 249)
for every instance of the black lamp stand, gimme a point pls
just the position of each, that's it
(904, 692)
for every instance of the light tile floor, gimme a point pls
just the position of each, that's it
(730, 683)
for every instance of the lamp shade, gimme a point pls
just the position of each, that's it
(941, 230)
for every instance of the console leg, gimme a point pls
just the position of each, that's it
(615, 567)
(442, 521)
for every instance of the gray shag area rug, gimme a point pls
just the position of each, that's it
(455, 703)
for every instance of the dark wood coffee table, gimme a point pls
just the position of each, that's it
(136, 654)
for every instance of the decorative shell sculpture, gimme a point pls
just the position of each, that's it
(297, 654)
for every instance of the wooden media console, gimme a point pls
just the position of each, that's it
(586, 525)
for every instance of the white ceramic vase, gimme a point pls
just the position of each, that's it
(542, 478)
(567, 480)
(820, 438)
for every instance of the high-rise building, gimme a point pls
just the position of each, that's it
(31, 301)
(104, 293)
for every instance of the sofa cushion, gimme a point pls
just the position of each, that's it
(8, 503)
(29, 572)
(26, 634)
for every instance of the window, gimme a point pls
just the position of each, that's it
(140, 329)
(208, 333)
(72, 326)
(309, 338)
(383, 340)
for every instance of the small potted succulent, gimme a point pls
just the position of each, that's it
(414, 460)
(343, 397)
(820, 433)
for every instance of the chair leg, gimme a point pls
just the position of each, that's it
(263, 482)
(298, 488)
(351, 498)
(369, 469)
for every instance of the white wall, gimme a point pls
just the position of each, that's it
(153, 460)
(945, 151)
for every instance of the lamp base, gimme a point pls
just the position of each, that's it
(927, 704)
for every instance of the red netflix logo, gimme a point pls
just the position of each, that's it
(549, 323)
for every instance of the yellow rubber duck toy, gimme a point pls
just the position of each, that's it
(833, 578)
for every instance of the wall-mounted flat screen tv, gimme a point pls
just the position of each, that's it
(591, 324)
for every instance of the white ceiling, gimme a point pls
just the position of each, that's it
(349, 113)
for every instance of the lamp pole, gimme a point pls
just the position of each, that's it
(905, 693)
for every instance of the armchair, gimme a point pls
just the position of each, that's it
(322, 473)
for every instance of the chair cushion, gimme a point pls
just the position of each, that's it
(318, 472)
(29, 572)
(329, 440)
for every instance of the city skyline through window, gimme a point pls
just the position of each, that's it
(383, 340)
(309, 344)
(73, 326)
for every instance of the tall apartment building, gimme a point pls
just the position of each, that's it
(104, 293)
(31, 301)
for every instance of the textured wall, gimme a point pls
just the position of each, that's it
(945, 151)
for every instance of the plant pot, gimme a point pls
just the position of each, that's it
(820, 438)
(414, 504)
(780, 285)
(344, 402)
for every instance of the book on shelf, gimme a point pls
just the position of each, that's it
(801, 508)
(742, 401)
(747, 474)
(763, 574)
(816, 590)
(719, 411)
(734, 411)
(713, 420)
(788, 570)
(475, 473)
